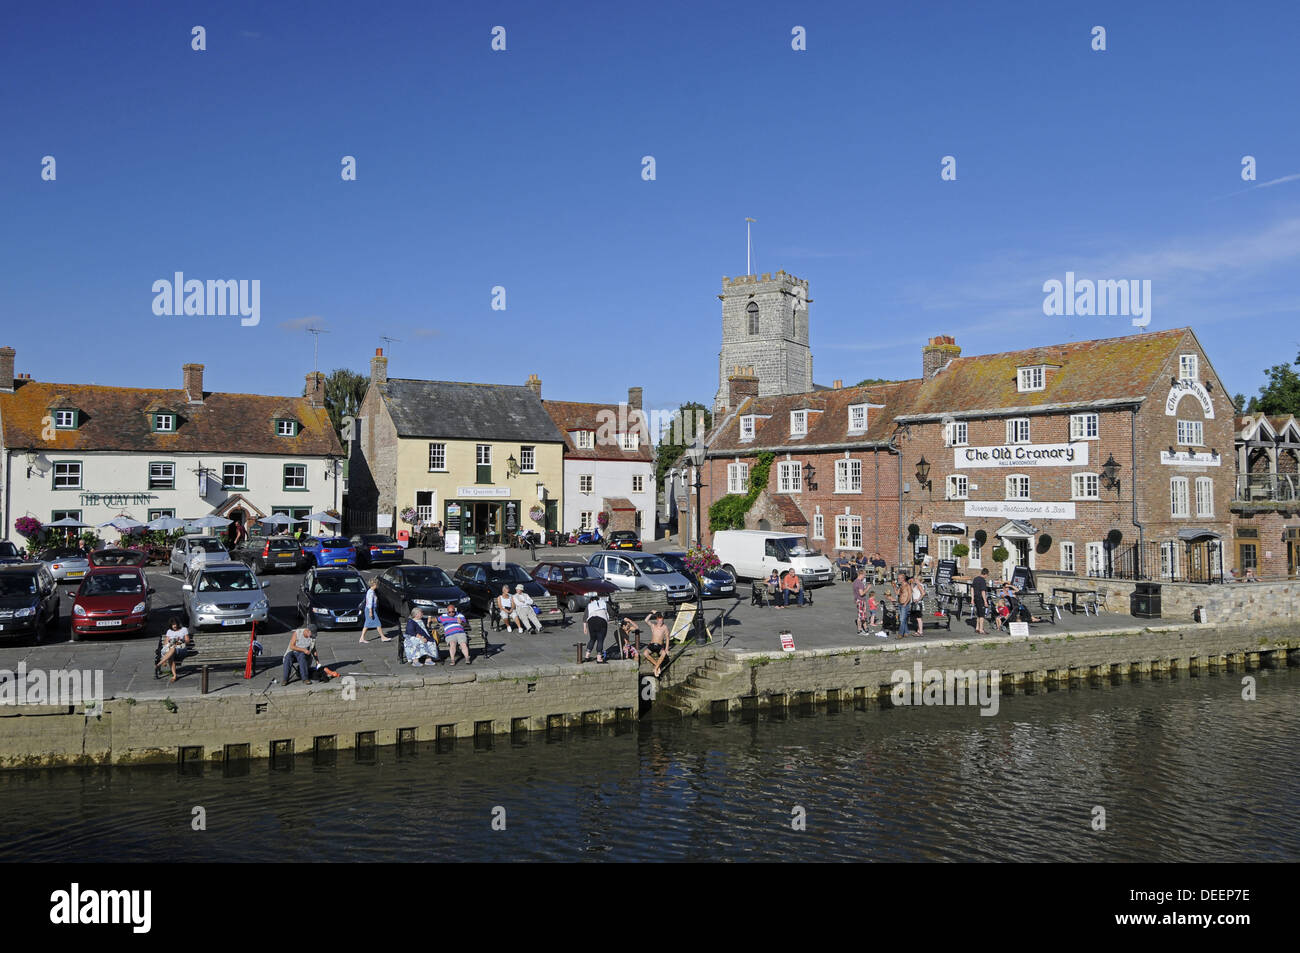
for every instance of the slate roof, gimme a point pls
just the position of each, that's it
(118, 419)
(570, 416)
(1105, 369)
(829, 427)
(454, 410)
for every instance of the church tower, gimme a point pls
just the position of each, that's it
(765, 327)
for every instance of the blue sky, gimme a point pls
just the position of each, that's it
(523, 169)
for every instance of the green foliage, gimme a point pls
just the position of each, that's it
(679, 436)
(344, 391)
(1281, 395)
(729, 511)
(961, 550)
(1000, 554)
(868, 381)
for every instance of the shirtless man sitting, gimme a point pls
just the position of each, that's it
(656, 653)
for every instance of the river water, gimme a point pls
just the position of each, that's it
(1185, 770)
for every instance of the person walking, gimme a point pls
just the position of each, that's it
(595, 625)
(980, 598)
(372, 614)
(860, 599)
(918, 605)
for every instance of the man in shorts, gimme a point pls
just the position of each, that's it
(452, 624)
(656, 653)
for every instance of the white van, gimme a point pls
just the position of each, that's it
(754, 553)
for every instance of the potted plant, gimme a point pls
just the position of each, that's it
(960, 551)
(28, 527)
(1000, 554)
(537, 514)
(409, 515)
(602, 519)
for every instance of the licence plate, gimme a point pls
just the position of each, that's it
(340, 559)
(105, 623)
(79, 572)
(346, 618)
(234, 621)
(726, 589)
(389, 552)
(284, 555)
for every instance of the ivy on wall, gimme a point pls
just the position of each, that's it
(729, 512)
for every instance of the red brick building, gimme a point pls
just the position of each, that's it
(1266, 502)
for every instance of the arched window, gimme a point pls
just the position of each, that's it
(752, 311)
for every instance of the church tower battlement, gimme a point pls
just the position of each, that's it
(765, 327)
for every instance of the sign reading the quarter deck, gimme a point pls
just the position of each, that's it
(1016, 509)
(1181, 389)
(484, 492)
(1021, 455)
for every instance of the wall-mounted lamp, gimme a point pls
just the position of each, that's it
(809, 471)
(1110, 473)
(512, 466)
(31, 461)
(923, 473)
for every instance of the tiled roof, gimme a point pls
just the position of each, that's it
(570, 416)
(1106, 369)
(118, 419)
(618, 503)
(461, 411)
(791, 515)
(830, 427)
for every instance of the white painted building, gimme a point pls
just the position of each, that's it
(92, 452)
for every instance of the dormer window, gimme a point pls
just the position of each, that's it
(584, 439)
(65, 419)
(164, 423)
(629, 441)
(1189, 367)
(857, 418)
(286, 428)
(798, 423)
(1031, 378)
(747, 427)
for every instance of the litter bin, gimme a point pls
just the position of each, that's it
(1145, 601)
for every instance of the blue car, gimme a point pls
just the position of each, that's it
(9, 553)
(714, 583)
(329, 551)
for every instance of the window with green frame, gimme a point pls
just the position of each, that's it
(285, 427)
(164, 423)
(160, 514)
(295, 477)
(56, 515)
(162, 476)
(66, 418)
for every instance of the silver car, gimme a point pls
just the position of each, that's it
(642, 571)
(66, 564)
(193, 550)
(224, 595)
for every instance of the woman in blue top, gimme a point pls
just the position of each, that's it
(372, 614)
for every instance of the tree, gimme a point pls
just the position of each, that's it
(344, 391)
(868, 381)
(681, 435)
(1281, 395)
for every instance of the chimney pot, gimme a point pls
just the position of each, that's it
(315, 392)
(534, 384)
(379, 367)
(838, 384)
(941, 349)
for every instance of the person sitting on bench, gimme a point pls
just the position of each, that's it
(176, 641)
(628, 633)
(526, 610)
(452, 624)
(418, 643)
(791, 587)
(774, 587)
(302, 645)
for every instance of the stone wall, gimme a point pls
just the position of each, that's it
(445, 705)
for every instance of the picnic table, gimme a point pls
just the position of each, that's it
(1074, 594)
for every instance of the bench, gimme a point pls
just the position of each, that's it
(640, 603)
(548, 610)
(436, 631)
(929, 607)
(210, 648)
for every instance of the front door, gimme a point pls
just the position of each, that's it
(1248, 558)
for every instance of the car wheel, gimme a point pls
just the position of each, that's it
(573, 605)
(731, 570)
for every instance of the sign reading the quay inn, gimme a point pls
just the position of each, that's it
(1021, 455)
(484, 492)
(1181, 389)
(116, 499)
(1017, 509)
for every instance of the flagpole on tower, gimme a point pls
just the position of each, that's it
(749, 247)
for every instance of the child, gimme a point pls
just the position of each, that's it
(873, 611)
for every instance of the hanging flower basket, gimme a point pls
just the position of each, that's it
(702, 559)
(409, 515)
(602, 519)
(536, 514)
(28, 526)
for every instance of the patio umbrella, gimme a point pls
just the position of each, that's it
(320, 518)
(278, 519)
(69, 523)
(207, 521)
(122, 523)
(165, 523)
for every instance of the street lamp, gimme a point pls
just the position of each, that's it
(809, 471)
(31, 462)
(695, 456)
(512, 466)
(923, 473)
(1110, 473)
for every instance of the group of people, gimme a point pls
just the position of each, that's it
(997, 602)
(421, 643)
(518, 610)
(782, 589)
(595, 625)
(855, 567)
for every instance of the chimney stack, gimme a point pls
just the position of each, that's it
(935, 355)
(315, 392)
(534, 384)
(634, 398)
(837, 384)
(192, 379)
(379, 367)
(7, 355)
(741, 384)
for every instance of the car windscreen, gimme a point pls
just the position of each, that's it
(428, 576)
(18, 584)
(378, 541)
(792, 546)
(509, 573)
(282, 545)
(226, 580)
(652, 564)
(209, 544)
(339, 585)
(676, 562)
(335, 542)
(112, 583)
(581, 572)
(8, 549)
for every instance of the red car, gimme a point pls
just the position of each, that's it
(111, 599)
(573, 583)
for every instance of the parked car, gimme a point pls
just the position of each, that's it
(9, 553)
(332, 598)
(329, 551)
(223, 595)
(117, 557)
(408, 587)
(65, 563)
(264, 553)
(754, 553)
(112, 599)
(191, 550)
(623, 539)
(376, 549)
(482, 582)
(573, 583)
(631, 571)
(711, 584)
(29, 600)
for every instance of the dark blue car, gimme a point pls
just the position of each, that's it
(9, 553)
(712, 584)
(330, 551)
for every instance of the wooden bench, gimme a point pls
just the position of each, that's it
(436, 631)
(210, 648)
(548, 609)
(639, 603)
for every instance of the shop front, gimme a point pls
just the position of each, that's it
(486, 513)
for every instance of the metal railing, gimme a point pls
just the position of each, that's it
(1170, 561)
(1268, 487)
